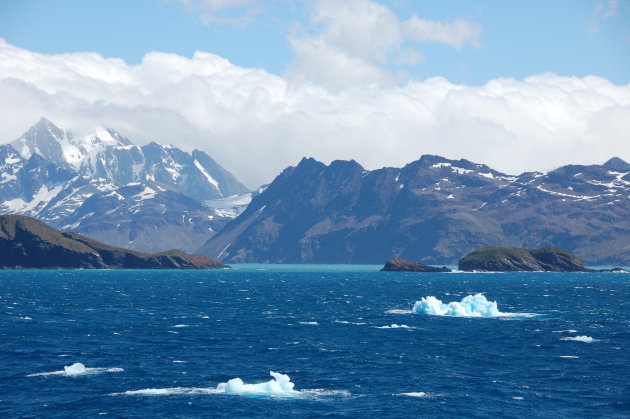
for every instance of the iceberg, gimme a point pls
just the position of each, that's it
(280, 386)
(470, 306)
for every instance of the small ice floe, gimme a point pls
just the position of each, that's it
(585, 339)
(470, 306)
(77, 369)
(279, 387)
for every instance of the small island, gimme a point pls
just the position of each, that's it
(516, 259)
(403, 265)
(26, 243)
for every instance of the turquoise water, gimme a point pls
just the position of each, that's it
(159, 343)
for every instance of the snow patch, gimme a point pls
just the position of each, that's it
(206, 174)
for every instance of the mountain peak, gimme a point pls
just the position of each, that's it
(106, 137)
(617, 164)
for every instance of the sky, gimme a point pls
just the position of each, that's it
(258, 84)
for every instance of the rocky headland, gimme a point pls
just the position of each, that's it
(26, 243)
(403, 265)
(516, 259)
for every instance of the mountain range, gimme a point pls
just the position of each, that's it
(433, 210)
(148, 198)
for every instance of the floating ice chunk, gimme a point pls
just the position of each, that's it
(280, 386)
(585, 339)
(471, 306)
(77, 369)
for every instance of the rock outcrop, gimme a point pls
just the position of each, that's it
(30, 244)
(514, 259)
(403, 265)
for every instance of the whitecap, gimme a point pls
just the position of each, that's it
(470, 306)
(309, 323)
(569, 356)
(77, 369)
(395, 326)
(414, 394)
(585, 339)
(347, 322)
(399, 311)
(168, 391)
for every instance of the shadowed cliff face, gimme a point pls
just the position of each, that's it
(433, 210)
(28, 243)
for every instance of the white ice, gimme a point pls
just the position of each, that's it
(280, 386)
(585, 339)
(470, 306)
(77, 369)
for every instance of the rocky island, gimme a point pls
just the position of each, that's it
(26, 243)
(403, 265)
(513, 259)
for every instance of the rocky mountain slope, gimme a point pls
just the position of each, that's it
(433, 210)
(27, 243)
(147, 198)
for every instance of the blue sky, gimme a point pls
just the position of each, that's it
(258, 84)
(518, 39)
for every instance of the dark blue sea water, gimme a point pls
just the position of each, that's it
(345, 336)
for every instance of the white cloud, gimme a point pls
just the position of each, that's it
(603, 10)
(256, 123)
(456, 33)
(352, 42)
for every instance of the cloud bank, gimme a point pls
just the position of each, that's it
(256, 123)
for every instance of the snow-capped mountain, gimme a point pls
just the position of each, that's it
(69, 182)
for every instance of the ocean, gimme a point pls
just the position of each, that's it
(313, 341)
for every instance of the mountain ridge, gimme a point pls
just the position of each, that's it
(49, 174)
(433, 210)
